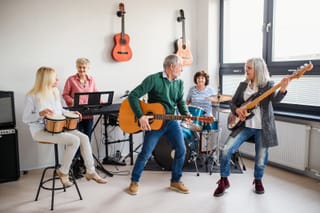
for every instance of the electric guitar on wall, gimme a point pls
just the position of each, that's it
(234, 121)
(156, 113)
(121, 50)
(182, 46)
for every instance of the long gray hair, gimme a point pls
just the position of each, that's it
(262, 75)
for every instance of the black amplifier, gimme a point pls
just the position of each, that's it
(9, 155)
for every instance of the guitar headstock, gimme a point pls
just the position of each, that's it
(121, 11)
(206, 119)
(181, 17)
(300, 72)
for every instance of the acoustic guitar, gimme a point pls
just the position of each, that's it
(234, 121)
(156, 114)
(121, 50)
(182, 46)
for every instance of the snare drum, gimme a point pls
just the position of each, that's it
(72, 120)
(55, 123)
(196, 112)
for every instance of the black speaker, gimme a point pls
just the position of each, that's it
(9, 155)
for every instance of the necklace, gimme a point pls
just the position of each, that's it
(83, 82)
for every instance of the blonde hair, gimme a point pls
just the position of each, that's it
(81, 61)
(45, 77)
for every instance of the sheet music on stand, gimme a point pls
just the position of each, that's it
(93, 99)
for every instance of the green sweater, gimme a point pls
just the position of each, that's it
(160, 90)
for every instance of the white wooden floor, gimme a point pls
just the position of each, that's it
(285, 192)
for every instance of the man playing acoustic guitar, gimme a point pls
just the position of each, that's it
(165, 88)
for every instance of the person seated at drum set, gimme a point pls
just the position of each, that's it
(42, 102)
(80, 82)
(260, 126)
(197, 98)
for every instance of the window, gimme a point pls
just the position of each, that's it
(242, 33)
(285, 33)
(296, 31)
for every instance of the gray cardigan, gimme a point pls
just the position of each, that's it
(268, 132)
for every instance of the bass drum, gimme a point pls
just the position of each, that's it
(164, 154)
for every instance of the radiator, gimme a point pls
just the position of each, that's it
(293, 147)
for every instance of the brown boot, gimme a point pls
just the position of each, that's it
(259, 189)
(133, 188)
(223, 184)
(179, 187)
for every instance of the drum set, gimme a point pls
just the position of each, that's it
(202, 140)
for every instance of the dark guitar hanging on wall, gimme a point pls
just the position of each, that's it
(121, 50)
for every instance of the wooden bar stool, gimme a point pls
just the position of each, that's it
(53, 188)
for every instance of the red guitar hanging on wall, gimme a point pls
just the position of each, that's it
(121, 50)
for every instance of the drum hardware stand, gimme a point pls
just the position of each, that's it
(194, 157)
(210, 159)
(213, 158)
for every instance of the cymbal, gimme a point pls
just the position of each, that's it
(219, 98)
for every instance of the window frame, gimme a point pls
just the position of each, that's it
(275, 68)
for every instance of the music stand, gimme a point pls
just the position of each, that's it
(93, 99)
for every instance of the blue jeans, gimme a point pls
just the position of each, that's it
(85, 126)
(174, 134)
(233, 144)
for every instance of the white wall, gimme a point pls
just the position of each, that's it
(54, 33)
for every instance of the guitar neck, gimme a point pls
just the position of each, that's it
(183, 33)
(256, 101)
(122, 27)
(173, 117)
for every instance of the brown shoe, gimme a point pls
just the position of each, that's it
(64, 178)
(133, 188)
(94, 176)
(223, 184)
(259, 189)
(179, 187)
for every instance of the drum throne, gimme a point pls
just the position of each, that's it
(46, 181)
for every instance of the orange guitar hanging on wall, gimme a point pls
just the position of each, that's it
(121, 50)
(182, 46)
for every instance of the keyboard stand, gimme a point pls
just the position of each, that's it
(107, 159)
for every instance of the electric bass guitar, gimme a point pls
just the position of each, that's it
(234, 121)
(121, 50)
(156, 114)
(182, 46)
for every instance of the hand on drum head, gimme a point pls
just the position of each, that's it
(46, 112)
(78, 113)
